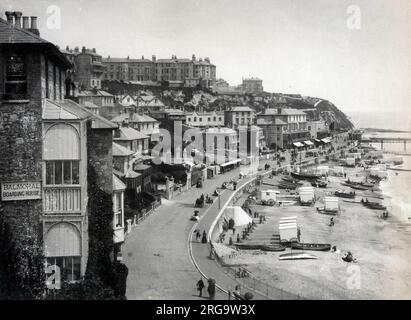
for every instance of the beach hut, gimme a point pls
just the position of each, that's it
(267, 195)
(240, 217)
(306, 195)
(288, 228)
(331, 204)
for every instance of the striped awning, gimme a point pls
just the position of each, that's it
(308, 143)
(298, 144)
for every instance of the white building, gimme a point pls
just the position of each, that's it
(205, 119)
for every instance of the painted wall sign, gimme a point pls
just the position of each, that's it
(20, 190)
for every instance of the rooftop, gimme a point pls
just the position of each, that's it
(127, 133)
(120, 151)
(242, 108)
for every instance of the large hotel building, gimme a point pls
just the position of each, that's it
(189, 72)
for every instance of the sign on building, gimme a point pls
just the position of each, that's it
(20, 190)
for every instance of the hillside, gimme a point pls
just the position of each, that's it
(191, 99)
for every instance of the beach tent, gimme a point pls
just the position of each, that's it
(331, 203)
(241, 218)
(269, 195)
(306, 194)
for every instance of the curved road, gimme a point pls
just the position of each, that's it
(157, 252)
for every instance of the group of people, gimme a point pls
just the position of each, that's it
(210, 288)
(199, 236)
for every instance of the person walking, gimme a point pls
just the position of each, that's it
(204, 238)
(200, 287)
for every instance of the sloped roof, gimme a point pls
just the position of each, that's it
(127, 133)
(120, 151)
(10, 34)
(94, 93)
(291, 111)
(242, 108)
(118, 185)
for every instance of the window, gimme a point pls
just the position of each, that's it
(195, 119)
(189, 119)
(69, 267)
(62, 172)
(16, 81)
(200, 119)
(209, 118)
(219, 118)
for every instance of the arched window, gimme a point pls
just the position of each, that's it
(16, 80)
(62, 154)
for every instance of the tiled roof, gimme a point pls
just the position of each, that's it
(120, 151)
(9, 34)
(265, 121)
(134, 118)
(127, 133)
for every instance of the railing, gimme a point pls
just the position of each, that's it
(62, 199)
(139, 218)
(245, 279)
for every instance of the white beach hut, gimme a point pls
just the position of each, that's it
(267, 195)
(331, 204)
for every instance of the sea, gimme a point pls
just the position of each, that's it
(397, 187)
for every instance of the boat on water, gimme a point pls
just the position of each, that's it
(305, 176)
(311, 246)
(297, 256)
(273, 248)
(345, 194)
(327, 211)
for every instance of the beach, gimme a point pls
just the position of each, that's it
(382, 270)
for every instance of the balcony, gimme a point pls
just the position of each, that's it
(62, 200)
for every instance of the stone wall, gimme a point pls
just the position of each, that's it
(100, 156)
(21, 150)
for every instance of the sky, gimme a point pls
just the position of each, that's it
(295, 46)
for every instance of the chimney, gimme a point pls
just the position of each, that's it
(67, 48)
(17, 21)
(83, 50)
(142, 57)
(193, 57)
(26, 23)
(94, 50)
(153, 57)
(9, 16)
(75, 49)
(33, 26)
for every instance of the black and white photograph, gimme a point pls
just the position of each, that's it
(205, 150)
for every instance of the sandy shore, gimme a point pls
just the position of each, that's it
(383, 269)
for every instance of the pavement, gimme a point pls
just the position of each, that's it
(157, 252)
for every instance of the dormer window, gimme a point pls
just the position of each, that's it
(16, 80)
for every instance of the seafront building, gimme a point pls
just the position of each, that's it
(49, 146)
(205, 119)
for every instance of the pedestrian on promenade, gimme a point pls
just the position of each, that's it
(204, 238)
(198, 234)
(211, 288)
(200, 287)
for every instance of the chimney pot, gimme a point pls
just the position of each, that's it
(83, 50)
(153, 57)
(26, 24)
(76, 49)
(17, 16)
(33, 22)
(94, 50)
(9, 16)
(67, 48)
